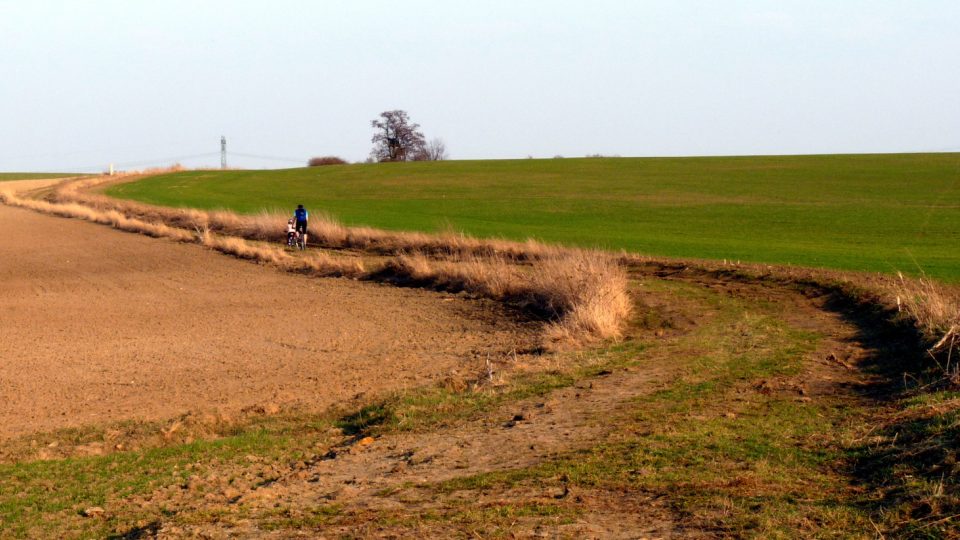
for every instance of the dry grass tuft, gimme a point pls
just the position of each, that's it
(113, 218)
(323, 265)
(492, 277)
(589, 290)
(934, 310)
(315, 264)
(243, 249)
(582, 293)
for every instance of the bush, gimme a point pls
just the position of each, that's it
(325, 160)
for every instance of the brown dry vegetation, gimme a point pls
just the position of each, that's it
(325, 160)
(108, 217)
(582, 294)
(935, 310)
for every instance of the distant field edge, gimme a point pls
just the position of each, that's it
(7, 176)
(863, 212)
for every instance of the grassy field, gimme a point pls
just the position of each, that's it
(861, 212)
(4, 176)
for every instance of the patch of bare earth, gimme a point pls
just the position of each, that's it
(98, 325)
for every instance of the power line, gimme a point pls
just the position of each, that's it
(147, 161)
(172, 159)
(270, 158)
(102, 150)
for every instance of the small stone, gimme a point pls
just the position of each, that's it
(93, 511)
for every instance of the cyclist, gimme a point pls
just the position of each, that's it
(300, 214)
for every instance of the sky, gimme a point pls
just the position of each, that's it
(142, 84)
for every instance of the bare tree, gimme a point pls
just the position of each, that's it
(396, 138)
(436, 150)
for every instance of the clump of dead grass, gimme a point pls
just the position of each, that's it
(588, 290)
(583, 294)
(113, 218)
(315, 264)
(936, 314)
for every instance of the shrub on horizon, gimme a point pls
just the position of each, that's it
(325, 160)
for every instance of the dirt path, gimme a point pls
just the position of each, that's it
(98, 325)
(395, 472)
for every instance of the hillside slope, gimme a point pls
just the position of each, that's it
(860, 212)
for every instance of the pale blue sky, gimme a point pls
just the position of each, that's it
(139, 83)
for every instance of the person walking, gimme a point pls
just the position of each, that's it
(301, 215)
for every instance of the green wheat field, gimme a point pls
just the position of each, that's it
(876, 212)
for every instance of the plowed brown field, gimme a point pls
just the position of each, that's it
(100, 325)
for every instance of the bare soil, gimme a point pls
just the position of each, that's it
(98, 325)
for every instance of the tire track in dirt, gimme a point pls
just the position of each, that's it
(395, 471)
(98, 325)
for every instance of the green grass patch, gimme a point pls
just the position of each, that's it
(858, 212)
(299, 518)
(726, 457)
(433, 407)
(45, 498)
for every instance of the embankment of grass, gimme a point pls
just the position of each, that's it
(856, 212)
